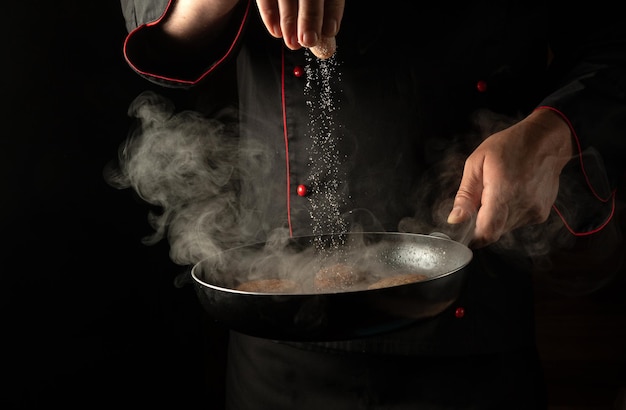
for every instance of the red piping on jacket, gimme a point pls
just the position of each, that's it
(286, 137)
(178, 80)
(582, 167)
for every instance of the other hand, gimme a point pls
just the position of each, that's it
(512, 178)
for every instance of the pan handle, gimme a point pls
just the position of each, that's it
(440, 235)
(448, 237)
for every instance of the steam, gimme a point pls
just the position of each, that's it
(184, 165)
(187, 166)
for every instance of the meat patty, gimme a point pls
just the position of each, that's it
(269, 286)
(337, 277)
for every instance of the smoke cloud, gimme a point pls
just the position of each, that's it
(184, 165)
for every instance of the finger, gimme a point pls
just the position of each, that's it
(468, 197)
(310, 19)
(268, 9)
(460, 211)
(288, 10)
(491, 219)
(333, 14)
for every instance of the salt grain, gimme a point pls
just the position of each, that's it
(325, 159)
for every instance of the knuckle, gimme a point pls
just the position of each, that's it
(538, 214)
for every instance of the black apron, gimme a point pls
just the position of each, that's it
(264, 374)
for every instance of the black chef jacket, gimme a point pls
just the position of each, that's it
(408, 88)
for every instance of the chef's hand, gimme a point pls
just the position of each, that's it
(304, 23)
(512, 178)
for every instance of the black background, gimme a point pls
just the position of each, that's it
(90, 316)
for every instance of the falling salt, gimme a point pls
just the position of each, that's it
(324, 158)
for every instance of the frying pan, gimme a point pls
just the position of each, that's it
(335, 314)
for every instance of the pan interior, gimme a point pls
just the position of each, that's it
(378, 254)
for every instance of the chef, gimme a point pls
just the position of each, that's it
(374, 115)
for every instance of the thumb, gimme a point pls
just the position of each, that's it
(466, 201)
(458, 214)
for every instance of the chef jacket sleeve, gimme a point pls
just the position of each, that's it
(589, 70)
(143, 45)
(138, 12)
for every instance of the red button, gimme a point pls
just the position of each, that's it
(298, 71)
(481, 86)
(302, 190)
(459, 312)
